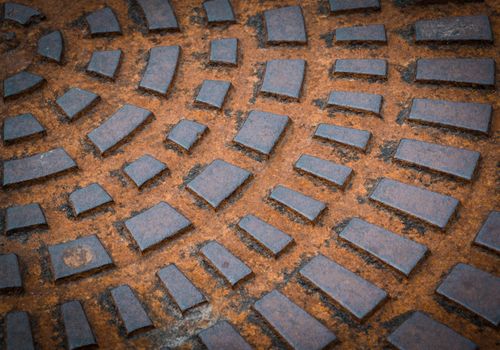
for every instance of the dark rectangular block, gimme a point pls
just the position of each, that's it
(89, 198)
(454, 29)
(76, 101)
(353, 293)
(456, 71)
(10, 273)
(21, 83)
(121, 125)
(339, 6)
(51, 46)
(103, 22)
(21, 127)
(213, 93)
(421, 331)
(284, 78)
(369, 68)
(219, 11)
(132, 313)
(105, 63)
(22, 14)
(268, 236)
(293, 324)
(345, 136)
(475, 290)
(335, 174)
(305, 206)
(224, 51)
(144, 170)
(285, 25)
(398, 252)
(449, 160)
(159, 14)
(223, 336)
(434, 208)
(261, 131)
(156, 224)
(374, 33)
(229, 266)
(160, 72)
(24, 218)
(468, 116)
(81, 256)
(76, 325)
(18, 334)
(36, 167)
(489, 234)
(356, 101)
(218, 181)
(186, 133)
(184, 293)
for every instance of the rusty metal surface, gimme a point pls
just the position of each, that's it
(477, 131)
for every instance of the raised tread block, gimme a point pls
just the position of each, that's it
(24, 218)
(453, 161)
(21, 127)
(155, 225)
(76, 101)
(355, 294)
(76, 326)
(160, 15)
(261, 131)
(144, 170)
(10, 273)
(79, 257)
(105, 63)
(89, 198)
(473, 117)
(117, 128)
(218, 181)
(473, 289)
(305, 206)
(372, 34)
(284, 78)
(183, 292)
(229, 266)
(135, 319)
(51, 46)
(489, 234)
(474, 72)
(21, 83)
(454, 29)
(345, 136)
(296, 326)
(37, 167)
(285, 25)
(18, 335)
(272, 239)
(398, 252)
(223, 336)
(330, 172)
(356, 101)
(161, 69)
(103, 22)
(431, 207)
(420, 331)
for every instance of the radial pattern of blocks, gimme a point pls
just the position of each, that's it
(228, 174)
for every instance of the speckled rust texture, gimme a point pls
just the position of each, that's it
(42, 296)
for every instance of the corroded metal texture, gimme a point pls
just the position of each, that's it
(232, 195)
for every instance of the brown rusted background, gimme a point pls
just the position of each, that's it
(42, 296)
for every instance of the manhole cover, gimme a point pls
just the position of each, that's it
(249, 174)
